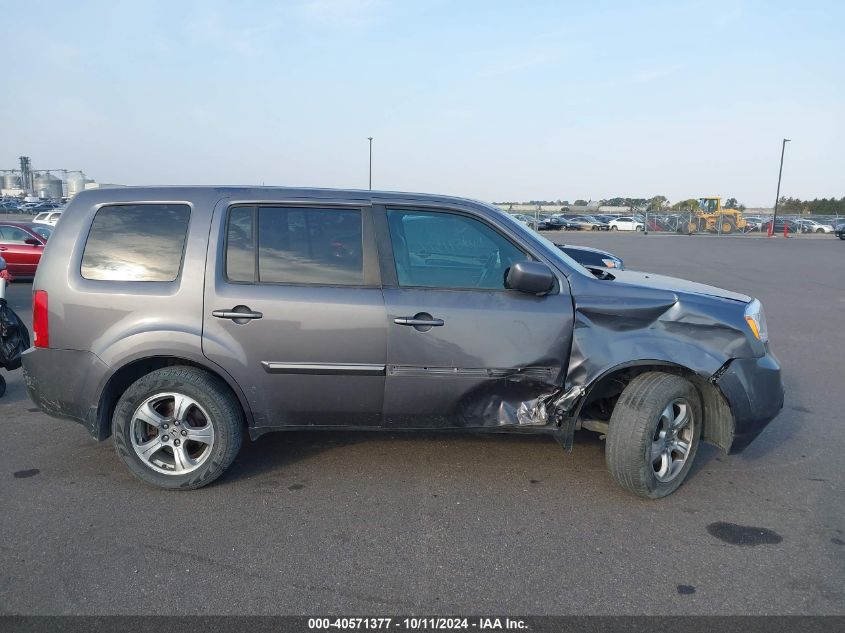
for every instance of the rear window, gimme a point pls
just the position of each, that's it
(294, 245)
(136, 242)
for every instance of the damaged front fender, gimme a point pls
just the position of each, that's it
(621, 327)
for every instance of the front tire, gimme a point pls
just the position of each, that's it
(654, 434)
(177, 428)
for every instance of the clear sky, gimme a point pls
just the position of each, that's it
(490, 100)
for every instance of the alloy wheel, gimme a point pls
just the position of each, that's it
(672, 440)
(171, 433)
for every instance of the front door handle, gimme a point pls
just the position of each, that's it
(415, 321)
(238, 314)
(421, 321)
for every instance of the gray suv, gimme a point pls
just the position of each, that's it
(179, 319)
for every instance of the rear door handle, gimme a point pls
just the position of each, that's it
(238, 313)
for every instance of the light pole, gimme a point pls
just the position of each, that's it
(780, 173)
(370, 139)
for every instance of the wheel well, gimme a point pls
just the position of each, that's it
(718, 424)
(129, 373)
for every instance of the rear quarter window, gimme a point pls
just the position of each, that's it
(136, 242)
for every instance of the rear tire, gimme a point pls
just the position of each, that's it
(178, 428)
(654, 434)
(2, 386)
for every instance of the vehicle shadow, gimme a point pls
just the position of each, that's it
(272, 453)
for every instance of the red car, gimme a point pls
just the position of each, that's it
(21, 247)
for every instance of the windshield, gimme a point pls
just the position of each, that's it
(708, 205)
(43, 230)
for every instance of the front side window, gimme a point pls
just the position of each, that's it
(295, 245)
(136, 242)
(13, 235)
(449, 250)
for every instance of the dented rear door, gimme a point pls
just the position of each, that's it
(462, 350)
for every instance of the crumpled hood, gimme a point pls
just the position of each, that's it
(673, 284)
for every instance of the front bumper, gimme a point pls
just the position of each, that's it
(754, 391)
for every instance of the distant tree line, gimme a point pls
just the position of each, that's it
(817, 206)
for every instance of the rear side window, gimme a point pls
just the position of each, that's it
(293, 245)
(136, 242)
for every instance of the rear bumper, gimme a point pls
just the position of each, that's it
(754, 391)
(64, 383)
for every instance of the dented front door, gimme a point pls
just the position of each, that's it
(462, 350)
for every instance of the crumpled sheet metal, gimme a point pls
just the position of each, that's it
(519, 398)
(613, 329)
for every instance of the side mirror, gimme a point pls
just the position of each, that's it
(32, 241)
(532, 277)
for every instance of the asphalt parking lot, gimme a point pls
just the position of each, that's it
(372, 523)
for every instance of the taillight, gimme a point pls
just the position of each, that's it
(40, 319)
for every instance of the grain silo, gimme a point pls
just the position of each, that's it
(48, 186)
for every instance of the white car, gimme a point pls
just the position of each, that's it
(47, 217)
(626, 224)
(811, 226)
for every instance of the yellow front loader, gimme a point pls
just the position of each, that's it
(711, 217)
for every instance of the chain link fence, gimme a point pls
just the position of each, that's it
(685, 223)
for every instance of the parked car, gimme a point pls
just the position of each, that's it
(587, 256)
(565, 222)
(178, 319)
(791, 226)
(21, 247)
(549, 222)
(811, 226)
(556, 223)
(754, 223)
(589, 223)
(626, 223)
(840, 231)
(47, 217)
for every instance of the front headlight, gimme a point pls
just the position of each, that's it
(756, 319)
(610, 262)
